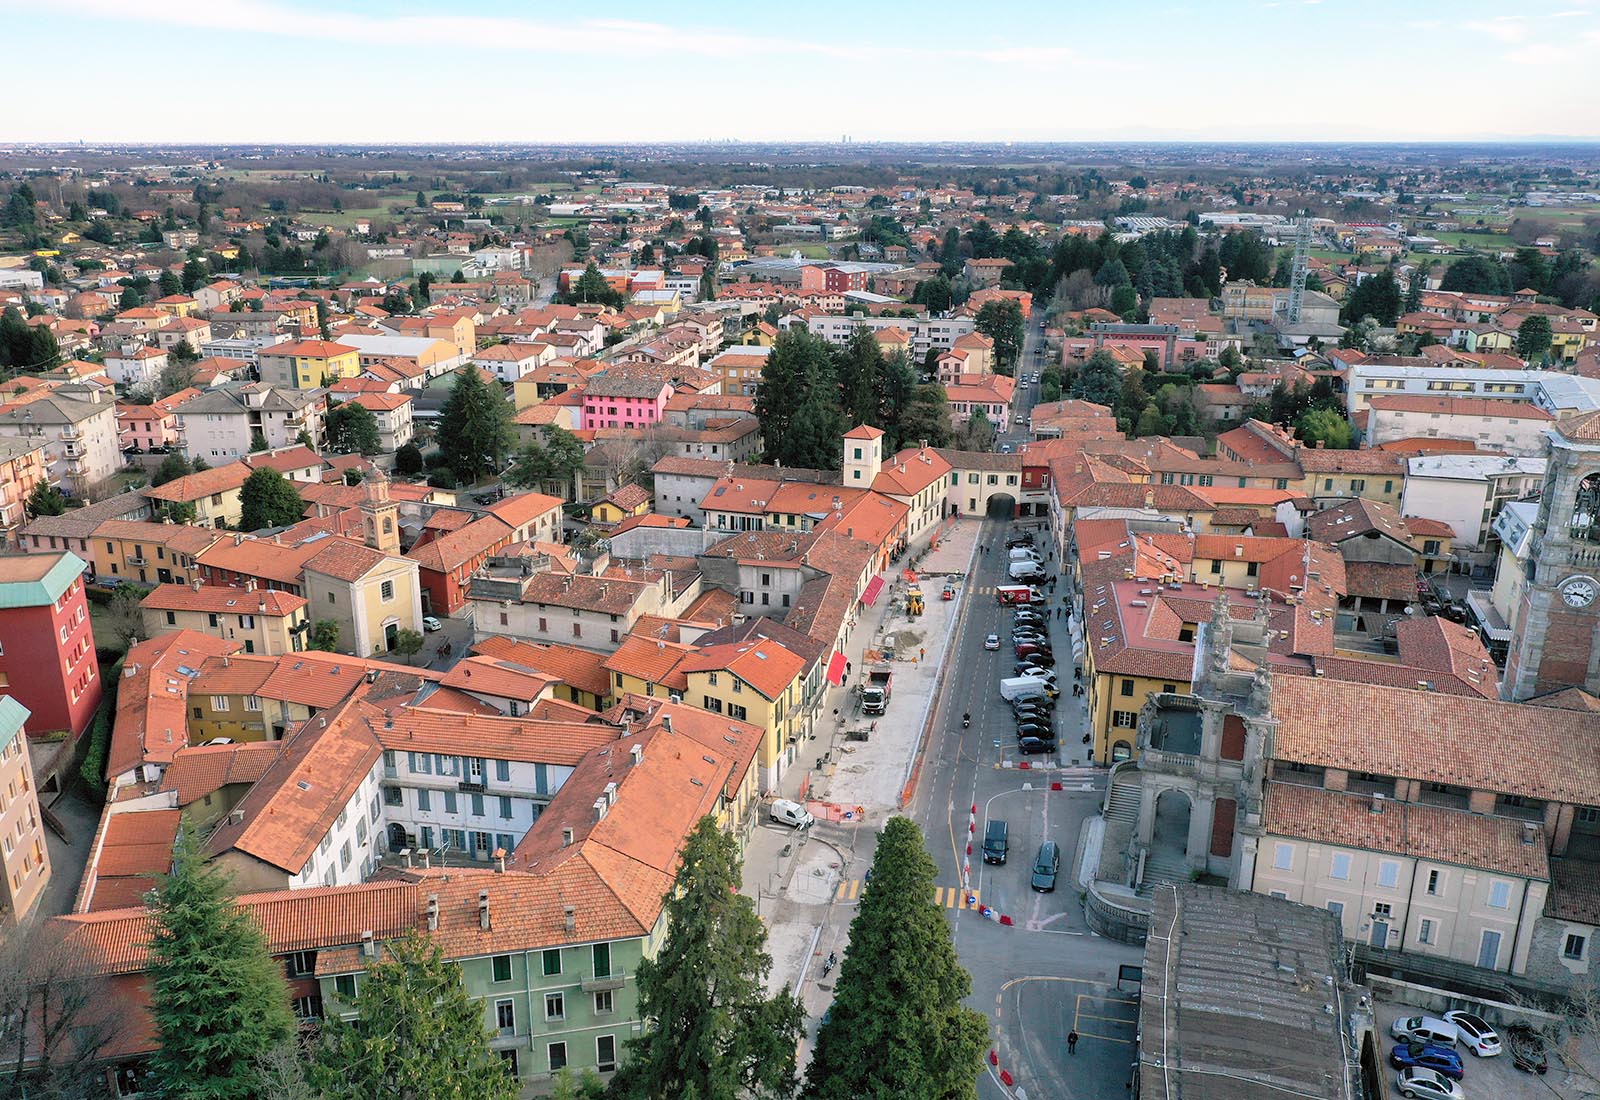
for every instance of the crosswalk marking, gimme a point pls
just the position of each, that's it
(948, 897)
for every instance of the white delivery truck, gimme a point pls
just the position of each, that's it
(1027, 572)
(1016, 687)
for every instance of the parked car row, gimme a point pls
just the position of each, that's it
(1426, 1057)
(1046, 862)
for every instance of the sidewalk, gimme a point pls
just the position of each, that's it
(794, 876)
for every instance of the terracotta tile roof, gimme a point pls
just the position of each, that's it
(715, 605)
(579, 668)
(345, 559)
(628, 497)
(204, 769)
(1381, 580)
(1574, 891)
(1439, 645)
(192, 487)
(132, 850)
(284, 459)
(652, 660)
(1410, 829)
(762, 663)
(1458, 406)
(524, 508)
(216, 598)
(152, 698)
(450, 551)
(310, 349)
(1567, 699)
(608, 595)
(911, 471)
(1399, 734)
(420, 729)
(489, 676)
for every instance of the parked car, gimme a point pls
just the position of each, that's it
(1039, 717)
(1027, 618)
(1019, 538)
(1045, 866)
(785, 812)
(1039, 654)
(1424, 1029)
(430, 624)
(1033, 746)
(1475, 1033)
(1443, 1060)
(1429, 1084)
(1038, 730)
(1048, 675)
(1033, 704)
(992, 642)
(1527, 1048)
(996, 842)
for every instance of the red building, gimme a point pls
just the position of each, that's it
(47, 658)
(841, 279)
(447, 557)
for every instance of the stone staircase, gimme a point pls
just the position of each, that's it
(1162, 867)
(1123, 805)
(1122, 819)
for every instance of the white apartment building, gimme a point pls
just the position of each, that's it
(77, 426)
(1467, 491)
(926, 333)
(1515, 427)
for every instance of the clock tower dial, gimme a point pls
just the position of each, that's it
(1579, 591)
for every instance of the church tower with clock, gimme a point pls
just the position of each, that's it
(1557, 640)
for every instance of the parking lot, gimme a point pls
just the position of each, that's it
(1036, 1014)
(1490, 1078)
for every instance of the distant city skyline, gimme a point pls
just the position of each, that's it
(364, 72)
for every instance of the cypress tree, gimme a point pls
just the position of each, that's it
(218, 998)
(714, 1034)
(474, 427)
(898, 1027)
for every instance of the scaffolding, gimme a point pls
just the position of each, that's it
(1301, 266)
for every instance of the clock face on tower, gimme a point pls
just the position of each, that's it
(1578, 591)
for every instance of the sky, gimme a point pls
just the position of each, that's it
(391, 71)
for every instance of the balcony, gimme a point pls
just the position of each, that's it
(138, 559)
(597, 983)
(472, 786)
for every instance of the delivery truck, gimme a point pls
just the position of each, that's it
(1028, 572)
(875, 692)
(1013, 688)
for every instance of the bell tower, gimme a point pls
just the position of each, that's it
(863, 456)
(380, 516)
(1557, 641)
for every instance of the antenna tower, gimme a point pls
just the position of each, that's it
(1302, 264)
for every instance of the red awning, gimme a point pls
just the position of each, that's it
(874, 590)
(836, 665)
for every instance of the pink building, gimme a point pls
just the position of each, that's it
(621, 398)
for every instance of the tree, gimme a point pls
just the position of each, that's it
(927, 417)
(16, 340)
(1533, 337)
(325, 635)
(268, 499)
(1100, 381)
(408, 460)
(474, 427)
(934, 293)
(714, 1032)
(352, 429)
(416, 1034)
(898, 1026)
(1324, 426)
(1376, 296)
(174, 466)
(1476, 274)
(218, 999)
(43, 350)
(859, 364)
(796, 356)
(124, 617)
(258, 440)
(407, 643)
(183, 352)
(177, 375)
(1001, 321)
(56, 1055)
(591, 286)
(977, 433)
(169, 284)
(46, 500)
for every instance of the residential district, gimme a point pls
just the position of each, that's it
(1207, 561)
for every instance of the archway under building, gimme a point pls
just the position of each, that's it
(1001, 506)
(1168, 859)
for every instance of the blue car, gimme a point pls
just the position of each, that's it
(1440, 1059)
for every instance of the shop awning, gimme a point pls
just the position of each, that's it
(873, 591)
(836, 665)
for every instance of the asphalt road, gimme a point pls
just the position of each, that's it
(1045, 974)
(1031, 362)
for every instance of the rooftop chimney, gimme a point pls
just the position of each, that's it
(483, 910)
(636, 754)
(599, 809)
(433, 912)
(569, 917)
(500, 861)
(369, 949)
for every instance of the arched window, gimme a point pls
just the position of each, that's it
(1586, 510)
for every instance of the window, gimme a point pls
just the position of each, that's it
(713, 705)
(1126, 690)
(555, 1006)
(1435, 883)
(172, 618)
(550, 962)
(736, 712)
(605, 1053)
(505, 807)
(603, 1007)
(1425, 931)
(1337, 909)
(505, 1017)
(500, 968)
(424, 800)
(449, 802)
(393, 796)
(252, 702)
(1382, 909)
(502, 771)
(301, 963)
(1282, 895)
(477, 804)
(219, 702)
(1499, 894)
(1357, 484)
(1388, 873)
(307, 1008)
(1124, 719)
(1283, 857)
(558, 1056)
(386, 591)
(1573, 949)
(344, 856)
(738, 685)
(345, 986)
(508, 1058)
(602, 960)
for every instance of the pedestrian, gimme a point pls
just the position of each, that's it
(1072, 1042)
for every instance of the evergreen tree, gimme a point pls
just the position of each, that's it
(268, 499)
(1099, 381)
(408, 460)
(897, 1026)
(43, 350)
(714, 1034)
(1533, 337)
(1476, 275)
(859, 364)
(591, 286)
(416, 1035)
(1377, 296)
(325, 635)
(217, 998)
(1001, 321)
(352, 429)
(46, 500)
(794, 358)
(927, 417)
(474, 427)
(16, 340)
(169, 283)
(183, 353)
(1324, 426)
(897, 389)
(172, 468)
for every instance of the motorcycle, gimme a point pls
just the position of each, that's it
(829, 963)
(966, 721)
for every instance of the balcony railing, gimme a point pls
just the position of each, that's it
(595, 983)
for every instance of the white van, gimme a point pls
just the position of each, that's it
(1025, 553)
(789, 813)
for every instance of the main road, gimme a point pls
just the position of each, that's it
(1042, 974)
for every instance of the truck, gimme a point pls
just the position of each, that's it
(1018, 594)
(1028, 571)
(875, 692)
(1017, 687)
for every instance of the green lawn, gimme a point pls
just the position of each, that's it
(809, 249)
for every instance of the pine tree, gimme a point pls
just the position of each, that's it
(16, 340)
(218, 1000)
(46, 500)
(416, 1035)
(474, 427)
(783, 386)
(897, 1026)
(268, 499)
(716, 1035)
(859, 365)
(897, 389)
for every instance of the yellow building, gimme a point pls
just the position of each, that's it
(307, 364)
(371, 595)
(261, 620)
(757, 681)
(647, 666)
(213, 494)
(148, 553)
(629, 500)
